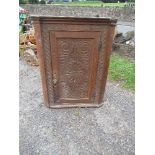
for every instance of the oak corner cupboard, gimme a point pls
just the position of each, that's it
(74, 56)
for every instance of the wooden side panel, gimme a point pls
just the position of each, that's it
(42, 62)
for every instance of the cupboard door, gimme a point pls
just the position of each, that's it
(74, 65)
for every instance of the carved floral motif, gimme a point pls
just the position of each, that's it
(74, 66)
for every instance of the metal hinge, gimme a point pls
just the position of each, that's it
(55, 79)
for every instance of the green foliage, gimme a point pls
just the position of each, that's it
(92, 0)
(109, 1)
(42, 2)
(33, 1)
(97, 15)
(113, 1)
(23, 1)
(123, 70)
(131, 1)
(28, 1)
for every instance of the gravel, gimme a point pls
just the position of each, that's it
(108, 130)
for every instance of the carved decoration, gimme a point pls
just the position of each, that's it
(74, 67)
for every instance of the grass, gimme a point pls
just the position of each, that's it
(88, 3)
(121, 69)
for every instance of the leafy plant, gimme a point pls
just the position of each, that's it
(23, 1)
(42, 2)
(33, 1)
(109, 1)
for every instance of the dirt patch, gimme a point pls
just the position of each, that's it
(124, 45)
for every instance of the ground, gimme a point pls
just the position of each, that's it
(108, 130)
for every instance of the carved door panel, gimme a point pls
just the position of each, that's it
(74, 65)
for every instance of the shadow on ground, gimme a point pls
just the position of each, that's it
(108, 130)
